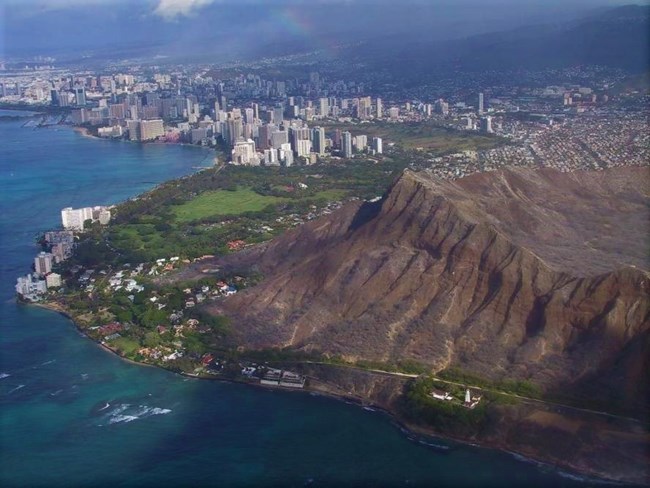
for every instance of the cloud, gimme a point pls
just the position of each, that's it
(170, 9)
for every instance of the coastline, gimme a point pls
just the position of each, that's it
(414, 432)
(84, 132)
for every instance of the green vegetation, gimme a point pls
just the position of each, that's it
(223, 202)
(126, 346)
(419, 406)
(517, 387)
(429, 136)
(202, 213)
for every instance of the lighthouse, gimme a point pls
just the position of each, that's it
(468, 397)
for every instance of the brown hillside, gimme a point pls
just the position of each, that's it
(531, 274)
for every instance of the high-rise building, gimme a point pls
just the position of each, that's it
(234, 131)
(74, 218)
(486, 125)
(278, 115)
(286, 154)
(379, 108)
(278, 138)
(318, 137)
(364, 108)
(377, 145)
(360, 143)
(43, 263)
(336, 138)
(323, 107)
(264, 137)
(80, 96)
(303, 148)
(244, 153)
(480, 103)
(116, 111)
(442, 107)
(299, 134)
(151, 129)
(134, 130)
(346, 144)
(249, 115)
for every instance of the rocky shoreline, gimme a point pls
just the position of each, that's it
(381, 392)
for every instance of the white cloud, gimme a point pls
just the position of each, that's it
(169, 9)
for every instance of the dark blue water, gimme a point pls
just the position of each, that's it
(73, 414)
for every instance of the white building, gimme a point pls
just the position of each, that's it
(30, 288)
(346, 143)
(244, 153)
(74, 218)
(360, 143)
(303, 148)
(151, 129)
(43, 263)
(53, 280)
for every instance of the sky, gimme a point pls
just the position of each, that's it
(185, 27)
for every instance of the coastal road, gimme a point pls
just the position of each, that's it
(512, 395)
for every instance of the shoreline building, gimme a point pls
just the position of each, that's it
(43, 263)
(29, 288)
(74, 218)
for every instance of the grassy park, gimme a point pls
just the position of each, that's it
(223, 202)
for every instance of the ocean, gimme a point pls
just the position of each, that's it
(73, 414)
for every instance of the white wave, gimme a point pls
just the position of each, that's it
(104, 407)
(125, 413)
(586, 479)
(122, 418)
(4, 375)
(436, 446)
(84, 376)
(57, 392)
(48, 362)
(14, 389)
(119, 409)
(160, 411)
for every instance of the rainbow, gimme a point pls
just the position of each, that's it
(297, 24)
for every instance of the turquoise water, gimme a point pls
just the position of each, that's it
(72, 414)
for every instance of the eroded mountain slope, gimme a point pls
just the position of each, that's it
(521, 273)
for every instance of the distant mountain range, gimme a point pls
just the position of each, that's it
(408, 39)
(615, 38)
